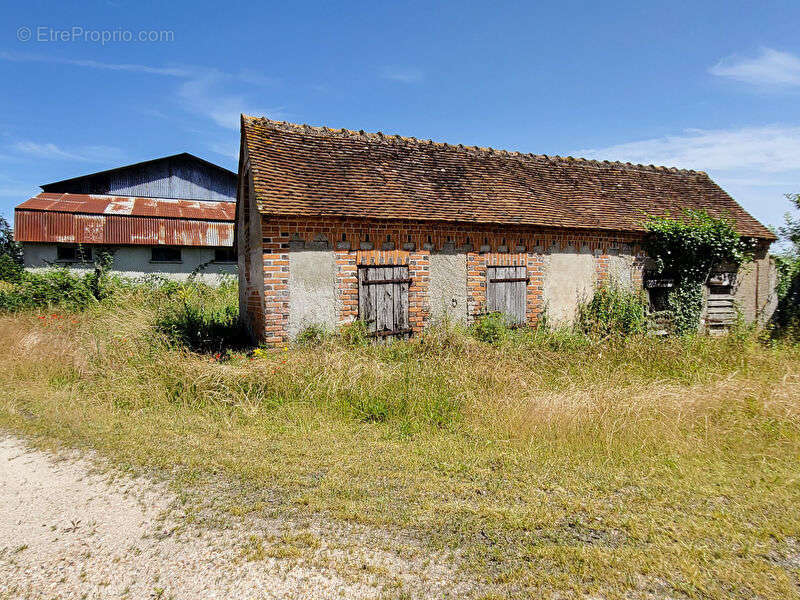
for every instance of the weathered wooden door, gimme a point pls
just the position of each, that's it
(383, 299)
(506, 292)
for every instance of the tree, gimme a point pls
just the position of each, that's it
(791, 229)
(8, 247)
(786, 319)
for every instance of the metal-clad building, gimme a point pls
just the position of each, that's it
(168, 216)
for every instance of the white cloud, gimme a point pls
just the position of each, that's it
(203, 91)
(402, 74)
(51, 151)
(93, 64)
(756, 165)
(226, 149)
(770, 68)
(204, 94)
(769, 149)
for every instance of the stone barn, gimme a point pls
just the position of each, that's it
(337, 225)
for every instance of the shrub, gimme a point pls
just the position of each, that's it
(613, 311)
(201, 317)
(313, 335)
(57, 287)
(355, 334)
(491, 328)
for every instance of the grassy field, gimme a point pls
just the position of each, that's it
(545, 465)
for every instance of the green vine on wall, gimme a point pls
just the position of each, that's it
(688, 248)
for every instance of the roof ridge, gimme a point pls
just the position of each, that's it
(379, 135)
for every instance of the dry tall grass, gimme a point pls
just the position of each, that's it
(548, 463)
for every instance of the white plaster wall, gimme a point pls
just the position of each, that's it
(756, 281)
(620, 268)
(569, 280)
(447, 287)
(312, 289)
(134, 262)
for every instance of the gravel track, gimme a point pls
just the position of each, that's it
(69, 532)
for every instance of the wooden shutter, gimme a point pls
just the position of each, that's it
(720, 310)
(383, 299)
(506, 289)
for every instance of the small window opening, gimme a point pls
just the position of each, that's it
(74, 253)
(165, 254)
(225, 254)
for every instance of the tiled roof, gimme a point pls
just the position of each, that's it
(114, 220)
(300, 170)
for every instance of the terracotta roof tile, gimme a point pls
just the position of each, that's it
(300, 170)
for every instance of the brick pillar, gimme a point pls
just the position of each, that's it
(476, 285)
(601, 265)
(535, 292)
(346, 286)
(276, 285)
(419, 269)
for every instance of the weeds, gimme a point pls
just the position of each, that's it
(202, 317)
(614, 311)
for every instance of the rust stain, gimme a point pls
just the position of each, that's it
(92, 219)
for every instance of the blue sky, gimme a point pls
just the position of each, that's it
(712, 86)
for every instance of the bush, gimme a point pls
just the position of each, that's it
(355, 334)
(201, 317)
(613, 311)
(491, 328)
(313, 335)
(50, 288)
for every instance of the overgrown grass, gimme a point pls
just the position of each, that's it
(548, 462)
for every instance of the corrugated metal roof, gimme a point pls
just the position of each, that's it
(114, 220)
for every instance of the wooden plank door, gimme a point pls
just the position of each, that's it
(383, 300)
(506, 291)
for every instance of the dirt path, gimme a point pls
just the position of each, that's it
(68, 533)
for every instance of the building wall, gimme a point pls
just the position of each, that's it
(755, 288)
(312, 289)
(570, 276)
(251, 255)
(134, 262)
(448, 287)
(174, 177)
(310, 267)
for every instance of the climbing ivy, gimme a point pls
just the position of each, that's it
(688, 248)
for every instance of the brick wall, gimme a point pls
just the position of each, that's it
(364, 242)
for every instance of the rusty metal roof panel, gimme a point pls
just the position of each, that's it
(113, 220)
(138, 207)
